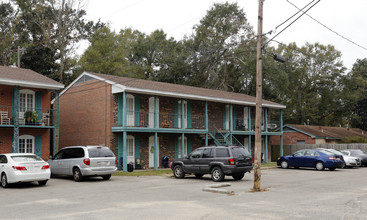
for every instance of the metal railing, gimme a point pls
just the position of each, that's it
(29, 117)
(165, 120)
(239, 124)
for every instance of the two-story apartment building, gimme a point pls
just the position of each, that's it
(27, 121)
(142, 120)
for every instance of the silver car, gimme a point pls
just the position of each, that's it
(82, 161)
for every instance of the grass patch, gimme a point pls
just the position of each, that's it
(272, 164)
(144, 173)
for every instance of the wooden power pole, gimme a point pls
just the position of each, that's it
(258, 116)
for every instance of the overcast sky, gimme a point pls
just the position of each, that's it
(177, 17)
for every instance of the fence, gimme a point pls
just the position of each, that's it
(289, 149)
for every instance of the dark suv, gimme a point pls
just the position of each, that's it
(218, 161)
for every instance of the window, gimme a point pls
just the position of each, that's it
(3, 159)
(180, 149)
(100, 152)
(26, 144)
(59, 155)
(222, 152)
(240, 152)
(299, 153)
(301, 142)
(26, 100)
(208, 153)
(196, 153)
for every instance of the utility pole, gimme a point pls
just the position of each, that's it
(257, 154)
(18, 56)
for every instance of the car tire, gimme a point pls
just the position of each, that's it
(217, 174)
(319, 166)
(331, 168)
(77, 175)
(178, 172)
(284, 164)
(42, 183)
(4, 181)
(106, 177)
(238, 176)
(199, 175)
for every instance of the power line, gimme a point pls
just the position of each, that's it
(299, 10)
(304, 12)
(329, 28)
(129, 6)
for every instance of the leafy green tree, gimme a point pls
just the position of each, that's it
(7, 21)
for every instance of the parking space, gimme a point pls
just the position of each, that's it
(292, 194)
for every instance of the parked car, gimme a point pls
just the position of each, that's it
(82, 161)
(357, 153)
(23, 167)
(320, 159)
(218, 161)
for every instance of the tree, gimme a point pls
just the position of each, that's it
(7, 21)
(218, 42)
(310, 85)
(55, 24)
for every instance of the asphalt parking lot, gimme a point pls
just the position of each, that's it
(292, 194)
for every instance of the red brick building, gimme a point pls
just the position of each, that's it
(26, 117)
(307, 134)
(142, 121)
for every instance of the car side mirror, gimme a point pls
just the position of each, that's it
(51, 157)
(187, 157)
(292, 155)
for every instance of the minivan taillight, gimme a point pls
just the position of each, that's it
(231, 161)
(45, 167)
(86, 161)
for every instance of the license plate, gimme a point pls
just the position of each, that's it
(102, 163)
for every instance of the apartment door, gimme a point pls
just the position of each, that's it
(185, 114)
(151, 151)
(130, 147)
(151, 111)
(130, 110)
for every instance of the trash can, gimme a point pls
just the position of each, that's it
(165, 162)
(130, 167)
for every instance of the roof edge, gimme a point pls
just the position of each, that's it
(31, 84)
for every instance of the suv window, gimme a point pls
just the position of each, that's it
(196, 153)
(222, 152)
(239, 152)
(100, 152)
(208, 153)
(59, 155)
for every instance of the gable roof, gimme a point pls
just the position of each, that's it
(328, 132)
(174, 90)
(28, 78)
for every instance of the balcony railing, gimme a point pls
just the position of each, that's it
(239, 124)
(165, 120)
(31, 117)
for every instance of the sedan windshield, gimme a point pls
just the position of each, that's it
(26, 158)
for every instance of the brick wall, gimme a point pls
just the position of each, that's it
(85, 114)
(292, 138)
(5, 140)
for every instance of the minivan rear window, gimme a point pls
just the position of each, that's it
(100, 152)
(239, 152)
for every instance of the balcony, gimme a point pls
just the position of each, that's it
(35, 117)
(165, 120)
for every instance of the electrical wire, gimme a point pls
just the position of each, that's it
(304, 12)
(330, 28)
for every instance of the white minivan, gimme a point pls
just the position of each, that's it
(82, 161)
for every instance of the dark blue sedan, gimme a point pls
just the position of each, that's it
(320, 159)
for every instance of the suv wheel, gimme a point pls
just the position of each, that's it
(217, 174)
(178, 172)
(77, 175)
(238, 176)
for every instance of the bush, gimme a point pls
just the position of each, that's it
(356, 139)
